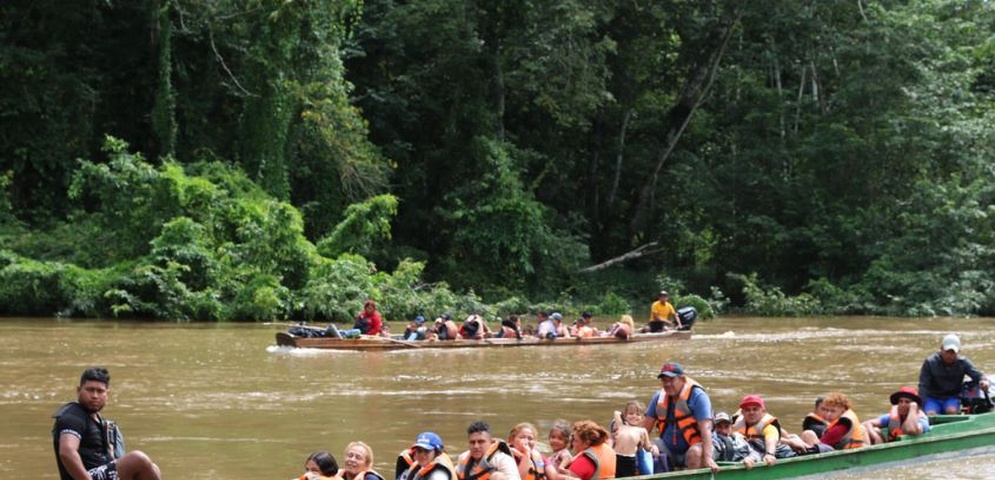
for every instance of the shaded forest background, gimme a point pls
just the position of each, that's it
(257, 160)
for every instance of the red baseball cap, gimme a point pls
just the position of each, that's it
(752, 400)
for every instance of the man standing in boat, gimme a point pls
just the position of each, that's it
(681, 412)
(86, 448)
(941, 378)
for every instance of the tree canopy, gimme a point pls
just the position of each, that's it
(224, 159)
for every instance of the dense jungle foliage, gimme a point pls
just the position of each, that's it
(258, 160)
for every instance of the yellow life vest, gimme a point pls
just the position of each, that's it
(755, 433)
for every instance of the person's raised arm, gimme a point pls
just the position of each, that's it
(911, 425)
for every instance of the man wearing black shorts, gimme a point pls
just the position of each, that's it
(84, 443)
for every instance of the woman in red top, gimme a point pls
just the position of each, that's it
(593, 457)
(369, 321)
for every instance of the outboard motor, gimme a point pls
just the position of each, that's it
(687, 315)
(975, 400)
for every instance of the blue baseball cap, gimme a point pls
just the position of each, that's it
(671, 369)
(428, 441)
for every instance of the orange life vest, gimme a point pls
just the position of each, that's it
(603, 457)
(684, 419)
(534, 461)
(855, 437)
(585, 332)
(477, 472)
(403, 465)
(813, 419)
(440, 462)
(755, 433)
(894, 428)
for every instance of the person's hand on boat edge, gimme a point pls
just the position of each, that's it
(710, 463)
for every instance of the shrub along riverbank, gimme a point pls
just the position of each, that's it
(162, 243)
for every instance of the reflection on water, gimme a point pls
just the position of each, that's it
(221, 402)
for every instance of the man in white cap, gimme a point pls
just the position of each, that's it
(941, 378)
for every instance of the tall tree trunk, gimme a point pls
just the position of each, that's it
(619, 156)
(499, 94)
(164, 109)
(693, 93)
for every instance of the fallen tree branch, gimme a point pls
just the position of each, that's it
(634, 254)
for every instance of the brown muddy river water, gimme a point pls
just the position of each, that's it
(221, 402)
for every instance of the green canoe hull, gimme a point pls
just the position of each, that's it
(951, 436)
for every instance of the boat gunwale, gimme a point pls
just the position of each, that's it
(966, 427)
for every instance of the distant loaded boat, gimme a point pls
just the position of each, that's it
(367, 342)
(950, 436)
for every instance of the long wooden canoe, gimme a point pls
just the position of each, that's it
(385, 343)
(951, 436)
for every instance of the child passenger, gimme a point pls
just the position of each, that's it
(630, 438)
(559, 443)
(727, 445)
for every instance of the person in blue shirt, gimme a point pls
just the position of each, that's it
(905, 418)
(682, 413)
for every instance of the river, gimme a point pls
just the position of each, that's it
(219, 401)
